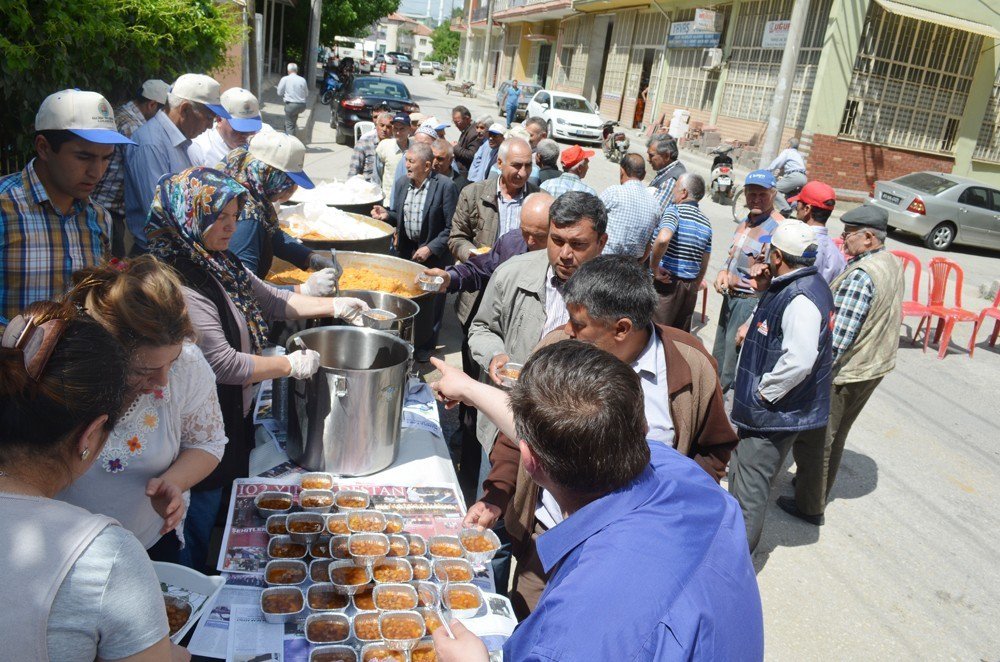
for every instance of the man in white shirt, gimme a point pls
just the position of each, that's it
(211, 147)
(293, 89)
(792, 166)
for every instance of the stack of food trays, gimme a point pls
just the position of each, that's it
(364, 588)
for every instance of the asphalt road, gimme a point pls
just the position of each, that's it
(906, 566)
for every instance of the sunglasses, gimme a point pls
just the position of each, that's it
(35, 341)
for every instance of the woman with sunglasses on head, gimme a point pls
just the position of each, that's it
(77, 586)
(170, 436)
(191, 222)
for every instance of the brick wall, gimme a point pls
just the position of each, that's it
(856, 166)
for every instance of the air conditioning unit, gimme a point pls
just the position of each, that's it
(711, 58)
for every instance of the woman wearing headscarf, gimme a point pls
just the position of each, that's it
(270, 169)
(191, 222)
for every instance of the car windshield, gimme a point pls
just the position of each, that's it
(926, 182)
(570, 103)
(377, 87)
(402, 58)
(529, 90)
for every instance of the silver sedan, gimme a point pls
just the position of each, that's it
(942, 209)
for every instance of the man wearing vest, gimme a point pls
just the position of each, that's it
(868, 303)
(782, 386)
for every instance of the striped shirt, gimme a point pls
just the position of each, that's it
(565, 183)
(40, 247)
(691, 240)
(632, 218)
(413, 209)
(852, 300)
(110, 191)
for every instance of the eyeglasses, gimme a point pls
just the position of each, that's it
(847, 233)
(36, 341)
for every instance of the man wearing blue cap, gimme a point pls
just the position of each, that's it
(162, 145)
(750, 246)
(211, 147)
(49, 227)
(784, 374)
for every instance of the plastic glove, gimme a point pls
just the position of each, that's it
(320, 284)
(319, 261)
(304, 363)
(349, 309)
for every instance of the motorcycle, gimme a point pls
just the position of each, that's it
(721, 181)
(615, 143)
(332, 85)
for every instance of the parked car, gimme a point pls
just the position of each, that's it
(527, 91)
(568, 116)
(364, 66)
(942, 209)
(404, 65)
(426, 68)
(436, 65)
(365, 93)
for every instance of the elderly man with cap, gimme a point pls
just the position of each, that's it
(363, 156)
(813, 206)
(486, 157)
(110, 191)
(750, 245)
(783, 377)
(575, 163)
(211, 147)
(162, 145)
(389, 154)
(792, 166)
(49, 227)
(868, 308)
(293, 90)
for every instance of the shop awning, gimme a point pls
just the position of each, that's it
(902, 9)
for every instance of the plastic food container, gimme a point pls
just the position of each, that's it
(305, 527)
(393, 523)
(367, 548)
(352, 500)
(276, 525)
(366, 626)
(337, 524)
(510, 373)
(480, 546)
(445, 547)
(394, 597)
(399, 546)
(272, 500)
(401, 630)
(283, 547)
(418, 545)
(343, 571)
(278, 603)
(430, 283)
(338, 653)
(463, 595)
(392, 570)
(365, 521)
(421, 567)
(327, 628)
(326, 597)
(285, 573)
(316, 501)
(453, 570)
(317, 480)
(380, 652)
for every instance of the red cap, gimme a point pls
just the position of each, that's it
(817, 194)
(571, 156)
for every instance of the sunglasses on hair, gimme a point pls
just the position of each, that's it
(35, 341)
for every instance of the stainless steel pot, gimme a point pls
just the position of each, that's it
(423, 323)
(404, 309)
(345, 419)
(360, 213)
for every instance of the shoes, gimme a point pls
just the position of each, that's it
(788, 505)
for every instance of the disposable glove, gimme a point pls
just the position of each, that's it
(349, 309)
(321, 284)
(304, 363)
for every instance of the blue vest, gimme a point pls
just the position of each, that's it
(807, 406)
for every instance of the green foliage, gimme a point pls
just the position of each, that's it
(108, 46)
(340, 18)
(445, 43)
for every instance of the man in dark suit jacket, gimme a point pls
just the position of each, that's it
(445, 164)
(422, 207)
(468, 143)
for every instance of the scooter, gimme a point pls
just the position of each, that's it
(615, 143)
(331, 88)
(721, 185)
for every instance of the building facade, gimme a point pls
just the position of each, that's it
(881, 87)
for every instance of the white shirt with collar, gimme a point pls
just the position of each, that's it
(651, 366)
(556, 314)
(208, 149)
(293, 89)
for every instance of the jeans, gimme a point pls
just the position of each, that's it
(198, 527)
(511, 112)
(292, 112)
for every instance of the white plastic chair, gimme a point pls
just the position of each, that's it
(361, 128)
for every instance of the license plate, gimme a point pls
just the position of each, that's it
(723, 181)
(889, 197)
(586, 134)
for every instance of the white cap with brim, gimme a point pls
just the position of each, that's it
(497, 128)
(795, 238)
(85, 114)
(284, 152)
(201, 89)
(244, 109)
(155, 90)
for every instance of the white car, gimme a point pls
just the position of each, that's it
(568, 116)
(426, 67)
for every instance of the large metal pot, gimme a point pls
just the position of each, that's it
(379, 245)
(404, 309)
(345, 419)
(423, 323)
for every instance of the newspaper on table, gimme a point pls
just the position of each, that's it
(252, 639)
(211, 637)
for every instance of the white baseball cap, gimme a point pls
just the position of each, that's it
(85, 114)
(155, 90)
(795, 238)
(281, 151)
(417, 117)
(244, 109)
(201, 89)
(498, 128)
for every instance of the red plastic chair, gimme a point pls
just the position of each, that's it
(913, 307)
(994, 312)
(940, 269)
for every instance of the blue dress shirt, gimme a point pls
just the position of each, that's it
(658, 570)
(484, 159)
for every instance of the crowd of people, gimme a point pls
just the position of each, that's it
(137, 322)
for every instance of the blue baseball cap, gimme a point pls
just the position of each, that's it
(243, 108)
(401, 117)
(763, 178)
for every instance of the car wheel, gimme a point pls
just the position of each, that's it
(941, 237)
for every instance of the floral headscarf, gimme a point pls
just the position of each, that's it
(184, 206)
(261, 181)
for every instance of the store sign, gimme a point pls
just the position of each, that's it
(686, 34)
(705, 20)
(775, 34)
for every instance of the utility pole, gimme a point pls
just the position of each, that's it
(484, 63)
(312, 44)
(783, 91)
